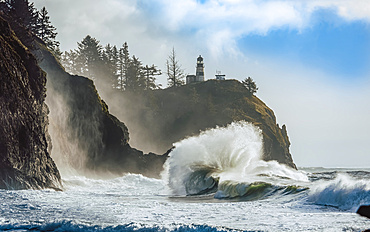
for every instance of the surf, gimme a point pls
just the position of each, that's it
(227, 162)
(345, 191)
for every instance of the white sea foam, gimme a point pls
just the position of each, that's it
(343, 192)
(232, 153)
(136, 203)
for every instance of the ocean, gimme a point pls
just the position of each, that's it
(212, 182)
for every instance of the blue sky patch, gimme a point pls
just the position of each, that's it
(330, 44)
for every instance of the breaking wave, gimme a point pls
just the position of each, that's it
(227, 162)
(344, 191)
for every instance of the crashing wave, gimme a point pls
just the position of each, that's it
(344, 192)
(226, 161)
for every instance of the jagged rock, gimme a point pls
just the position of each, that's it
(24, 159)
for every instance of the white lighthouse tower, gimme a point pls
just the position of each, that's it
(199, 75)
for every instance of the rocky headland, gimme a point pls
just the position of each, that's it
(165, 116)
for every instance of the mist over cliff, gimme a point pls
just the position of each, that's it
(159, 118)
(85, 139)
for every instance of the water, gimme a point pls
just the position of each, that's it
(213, 182)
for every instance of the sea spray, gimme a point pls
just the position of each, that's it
(227, 151)
(198, 165)
(66, 152)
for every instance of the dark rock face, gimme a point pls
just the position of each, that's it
(24, 159)
(364, 211)
(161, 117)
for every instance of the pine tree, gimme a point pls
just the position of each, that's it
(47, 32)
(5, 6)
(135, 78)
(24, 13)
(109, 61)
(175, 74)
(110, 66)
(149, 73)
(250, 85)
(123, 64)
(89, 56)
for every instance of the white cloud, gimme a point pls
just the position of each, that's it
(350, 10)
(223, 22)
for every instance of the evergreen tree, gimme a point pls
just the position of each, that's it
(110, 66)
(123, 64)
(24, 13)
(250, 85)
(175, 74)
(149, 73)
(5, 6)
(135, 78)
(89, 56)
(109, 61)
(47, 32)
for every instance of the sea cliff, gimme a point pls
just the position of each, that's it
(24, 158)
(165, 116)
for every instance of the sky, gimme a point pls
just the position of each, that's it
(309, 58)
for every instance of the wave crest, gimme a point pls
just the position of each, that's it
(343, 192)
(218, 158)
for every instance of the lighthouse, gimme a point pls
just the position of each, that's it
(199, 72)
(200, 69)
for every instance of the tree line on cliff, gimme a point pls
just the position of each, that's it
(111, 66)
(37, 22)
(108, 66)
(115, 68)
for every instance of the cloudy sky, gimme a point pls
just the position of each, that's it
(309, 58)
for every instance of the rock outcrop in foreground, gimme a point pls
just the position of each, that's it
(24, 159)
(162, 117)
